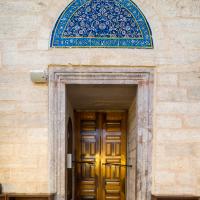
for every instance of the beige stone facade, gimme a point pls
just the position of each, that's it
(25, 31)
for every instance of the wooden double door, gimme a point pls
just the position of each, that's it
(100, 165)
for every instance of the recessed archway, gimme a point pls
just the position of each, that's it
(59, 77)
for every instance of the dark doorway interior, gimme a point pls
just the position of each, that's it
(101, 154)
(69, 138)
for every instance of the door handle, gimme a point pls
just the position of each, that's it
(69, 161)
(117, 164)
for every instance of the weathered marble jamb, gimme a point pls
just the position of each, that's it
(57, 112)
(59, 77)
(144, 139)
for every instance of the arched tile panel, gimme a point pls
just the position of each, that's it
(102, 23)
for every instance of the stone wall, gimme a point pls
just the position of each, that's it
(24, 45)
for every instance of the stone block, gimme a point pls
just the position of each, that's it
(187, 8)
(23, 136)
(195, 67)
(20, 187)
(192, 121)
(19, 162)
(29, 175)
(186, 179)
(184, 135)
(14, 45)
(169, 122)
(97, 56)
(43, 44)
(27, 44)
(165, 177)
(13, 78)
(0, 59)
(22, 93)
(179, 8)
(42, 186)
(180, 150)
(187, 108)
(185, 40)
(35, 107)
(183, 25)
(22, 6)
(172, 164)
(189, 79)
(43, 161)
(167, 79)
(29, 150)
(24, 120)
(194, 92)
(8, 107)
(37, 135)
(193, 56)
(6, 149)
(171, 94)
(26, 59)
(46, 31)
(187, 32)
(20, 27)
(4, 174)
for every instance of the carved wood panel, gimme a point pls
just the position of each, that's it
(113, 156)
(100, 155)
(87, 150)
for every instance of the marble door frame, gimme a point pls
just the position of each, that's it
(59, 77)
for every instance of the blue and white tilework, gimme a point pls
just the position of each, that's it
(102, 23)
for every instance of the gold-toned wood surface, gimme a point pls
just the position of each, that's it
(2, 197)
(100, 155)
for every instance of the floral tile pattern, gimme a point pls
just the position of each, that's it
(102, 23)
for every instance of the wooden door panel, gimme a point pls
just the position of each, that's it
(114, 156)
(87, 150)
(101, 152)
